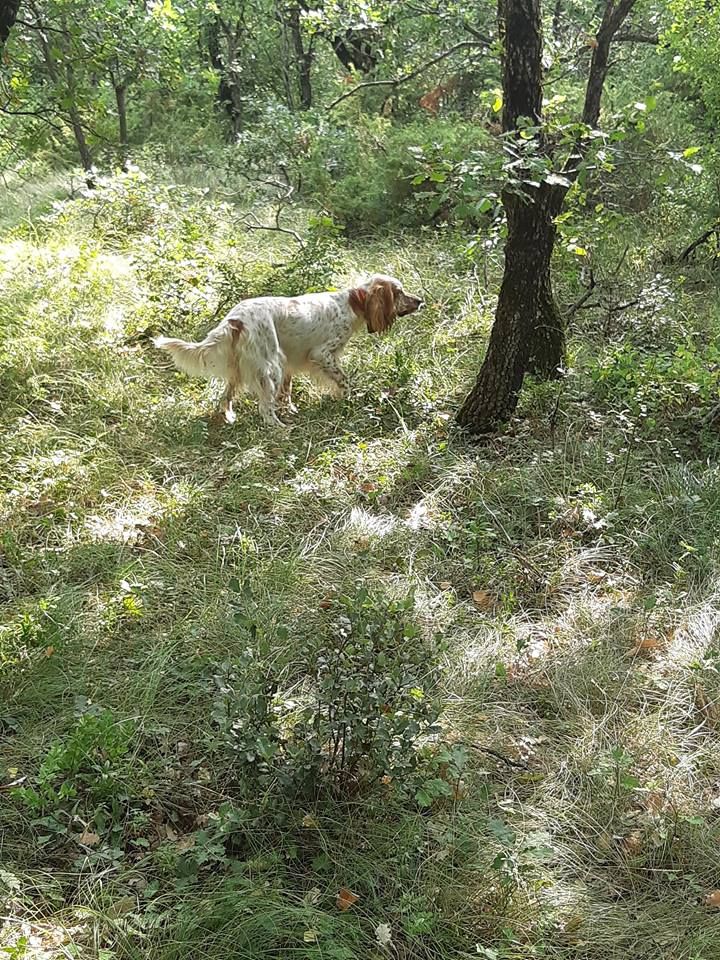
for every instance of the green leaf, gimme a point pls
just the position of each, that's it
(497, 105)
(691, 151)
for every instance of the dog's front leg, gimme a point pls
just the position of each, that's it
(284, 398)
(328, 365)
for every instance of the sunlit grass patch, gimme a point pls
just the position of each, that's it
(567, 570)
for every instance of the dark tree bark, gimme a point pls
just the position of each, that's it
(356, 51)
(223, 41)
(82, 144)
(528, 333)
(120, 100)
(8, 15)
(613, 18)
(73, 112)
(303, 57)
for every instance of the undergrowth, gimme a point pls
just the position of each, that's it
(367, 689)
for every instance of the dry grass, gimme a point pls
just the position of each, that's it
(589, 655)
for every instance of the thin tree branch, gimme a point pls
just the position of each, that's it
(630, 37)
(31, 113)
(397, 81)
(703, 238)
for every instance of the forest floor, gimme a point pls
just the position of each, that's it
(570, 565)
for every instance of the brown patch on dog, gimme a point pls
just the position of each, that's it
(380, 312)
(357, 300)
(236, 328)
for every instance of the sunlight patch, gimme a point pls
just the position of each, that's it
(127, 525)
(113, 319)
(362, 523)
(114, 264)
(14, 252)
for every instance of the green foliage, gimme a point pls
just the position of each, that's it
(674, 386)
(372, 172)
(362, 707)
(82, 780)
(694, 39)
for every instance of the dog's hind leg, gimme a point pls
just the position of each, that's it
(226, 402)
(266, 388)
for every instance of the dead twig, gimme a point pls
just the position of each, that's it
(521, 764)
(580, 303)
(702, 239)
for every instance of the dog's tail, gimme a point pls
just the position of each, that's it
(191, 358)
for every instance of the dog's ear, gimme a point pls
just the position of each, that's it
(380, 307)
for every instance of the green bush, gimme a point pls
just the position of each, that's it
(361, 712)
(372, 172)
(659, 386)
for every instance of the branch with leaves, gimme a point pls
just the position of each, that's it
(396, 82)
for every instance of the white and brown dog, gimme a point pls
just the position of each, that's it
(263, 342)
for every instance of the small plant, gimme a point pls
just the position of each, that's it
(82, 778)
(358, 716)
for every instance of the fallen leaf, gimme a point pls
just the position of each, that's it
(310, 936)
(345, 899)
(445, 585)
(122, 907)
(368, 487)
(383, 935)
(632, 843)
(647, 644)
(89, 839)
(310, 822)
(182, 748)
(185, 843)
(49, 651)
(713, 899)
(170, 833)
(326, 602)
(483, 599)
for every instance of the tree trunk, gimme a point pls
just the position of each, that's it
(8, 15)
(303, 57)
(223, 59)
(557, 20)
(356, 51)
(120, 91)
(77, 128)
(73, 113)
(613, 17)
(528, 333)
(526, 298)
(80, 141)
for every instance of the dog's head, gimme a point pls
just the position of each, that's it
(382, 300)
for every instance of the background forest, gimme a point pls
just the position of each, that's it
(437, 673)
